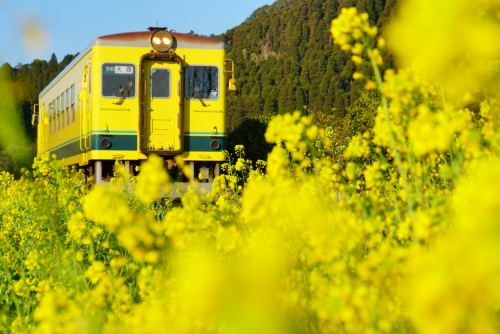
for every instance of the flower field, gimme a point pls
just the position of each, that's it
(400, 234)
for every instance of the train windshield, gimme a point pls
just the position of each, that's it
(202, 82)
(160, 83)
(118, 80)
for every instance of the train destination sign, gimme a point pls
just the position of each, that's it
(119, 69)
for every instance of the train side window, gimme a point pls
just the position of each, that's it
(202, 81)
(61, 113)
(118, 80)
(72, 103)
(160, 83)
(50, 118)
(58, 121)
(52, 113)
(54, 116)
(63, 110)
(68, 120)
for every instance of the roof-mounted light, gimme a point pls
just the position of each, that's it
(162, 40)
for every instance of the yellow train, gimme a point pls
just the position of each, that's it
(130, 95)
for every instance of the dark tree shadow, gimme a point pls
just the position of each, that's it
(250, 133)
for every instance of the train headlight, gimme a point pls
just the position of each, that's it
(162, 40)
(156, 41)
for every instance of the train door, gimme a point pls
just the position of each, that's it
(162, 119)
(40, 120)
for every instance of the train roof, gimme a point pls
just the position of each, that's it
(143, 39)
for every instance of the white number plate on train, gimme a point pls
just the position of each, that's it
(124, 70)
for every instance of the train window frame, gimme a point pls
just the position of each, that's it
(190, 95)
(63, 109)
(169, 83)
(50, 118)
(68, 120)
(134, 80)
(54, 112)
(58, 121)
(73, 114)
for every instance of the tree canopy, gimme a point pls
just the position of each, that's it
(285, 59)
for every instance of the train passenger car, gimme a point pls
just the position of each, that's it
(130, 95)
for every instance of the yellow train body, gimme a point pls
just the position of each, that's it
(125, 98)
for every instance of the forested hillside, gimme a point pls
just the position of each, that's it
(26, 81)
(285, 58)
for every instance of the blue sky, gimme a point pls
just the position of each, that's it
(34, 29)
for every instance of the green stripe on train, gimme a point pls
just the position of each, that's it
(203, 143)
(129, 143)
(118, 143)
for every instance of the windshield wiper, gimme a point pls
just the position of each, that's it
(197, 95)
(124, 92)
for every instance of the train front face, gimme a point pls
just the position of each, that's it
(159, 93)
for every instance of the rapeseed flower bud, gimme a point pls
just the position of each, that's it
(381, 42)
(357, 60)
(374, 54)
(357, 33)
(239, 150)
(370, 85)
(80, 255)
(240, 164)
(95, 231)
(357, 75)
(357, 49)
(312, 132)
(372, 31)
